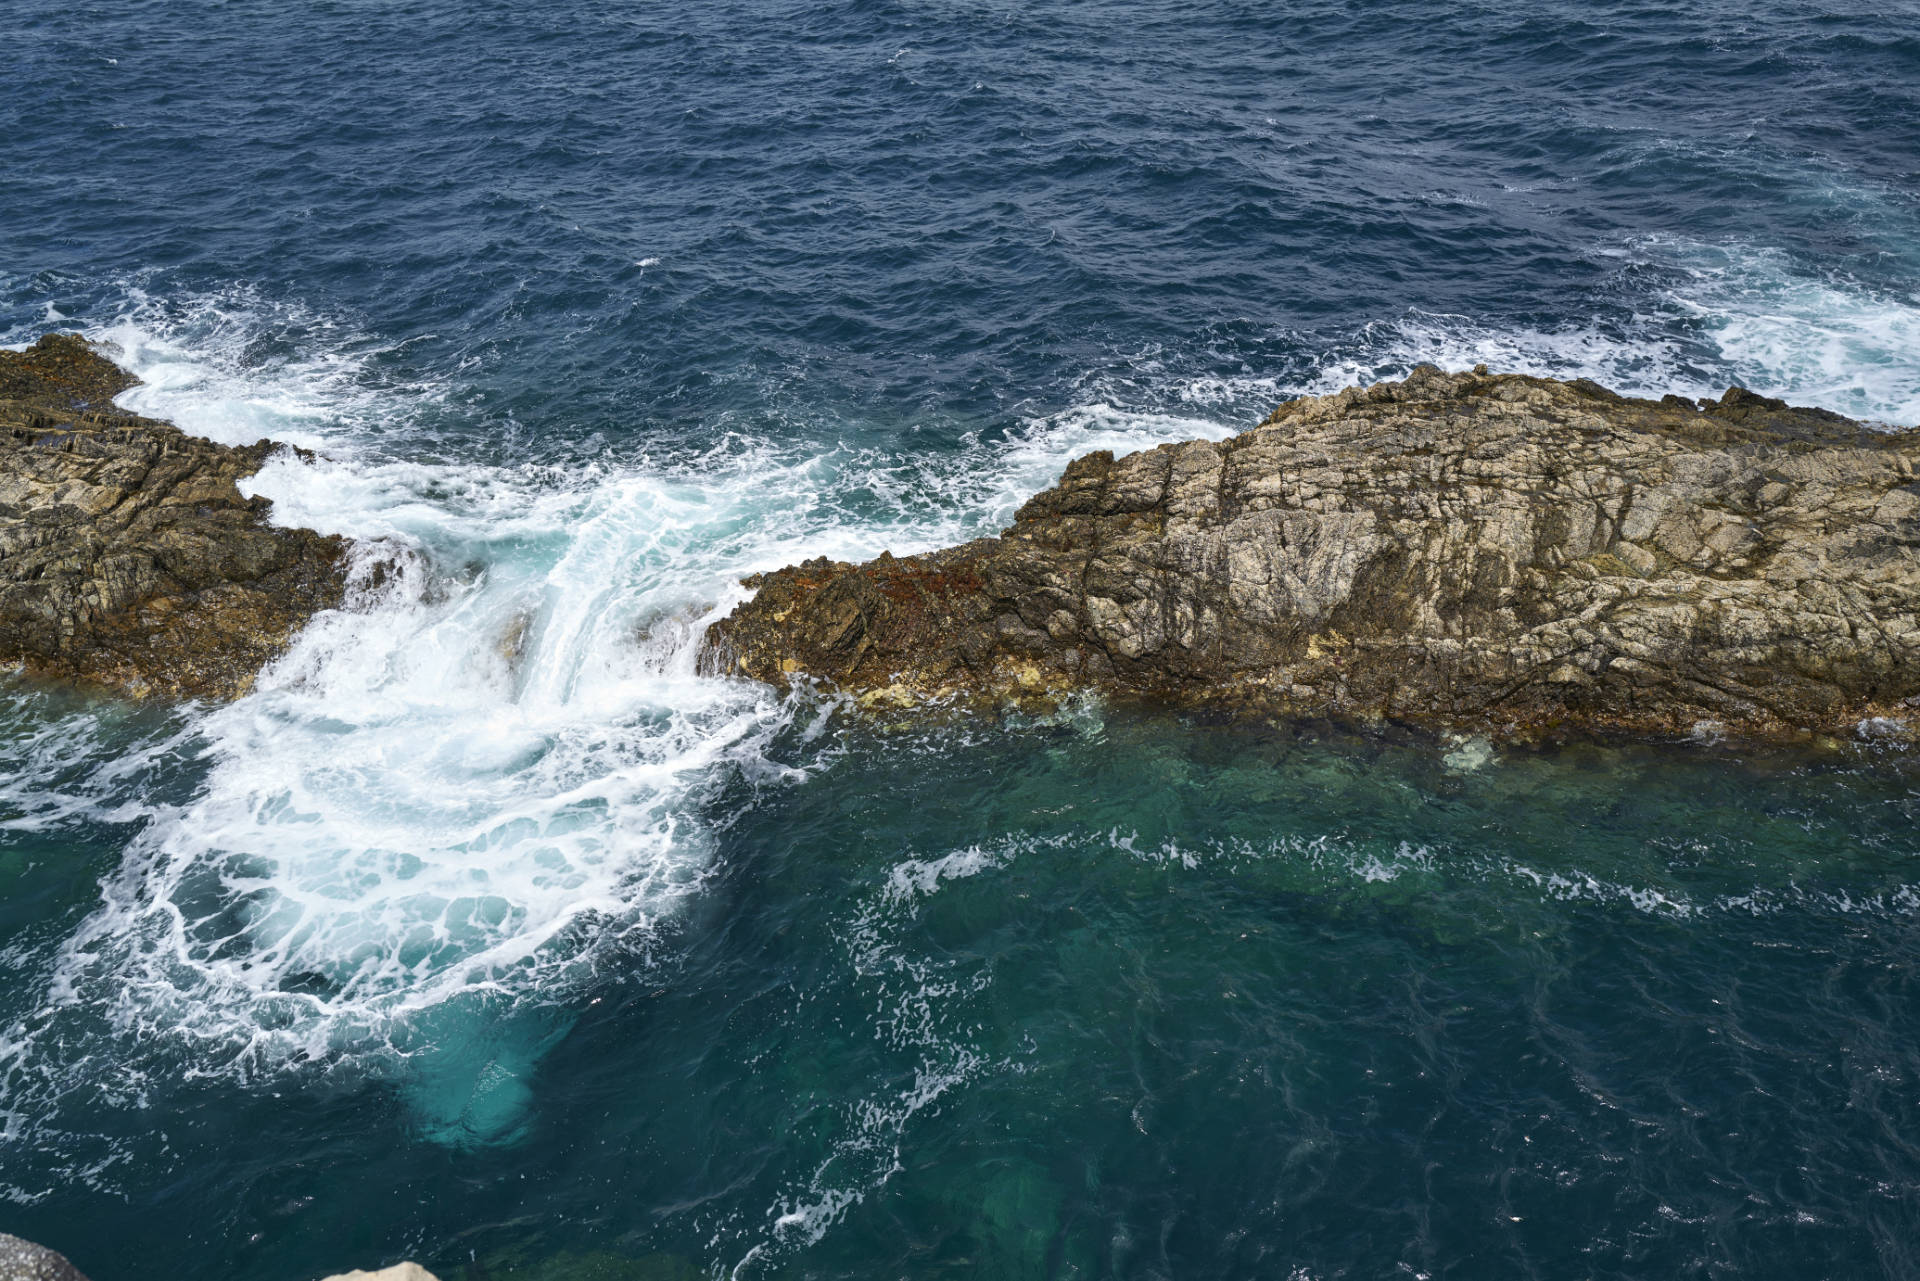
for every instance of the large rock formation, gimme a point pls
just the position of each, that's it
(128, 556)
(1456, 548)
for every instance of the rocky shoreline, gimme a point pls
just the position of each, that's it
(1494, 552)
(1460, 550)
(128, 556)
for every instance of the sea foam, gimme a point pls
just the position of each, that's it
(442, 807)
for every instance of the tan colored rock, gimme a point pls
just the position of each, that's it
(22, 1260)
(128, 556)
(1500, 550)
(398, 1272)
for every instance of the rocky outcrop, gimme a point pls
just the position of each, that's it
(1502, 551)
(24, 1261)
(128, 556)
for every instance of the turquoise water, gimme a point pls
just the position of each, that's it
(490, 934)
(1116, 995)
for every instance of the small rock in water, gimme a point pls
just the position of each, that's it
(398, 1272)
(25, 1261)
(1884, 727)
(1709, 732)
(1470, 752)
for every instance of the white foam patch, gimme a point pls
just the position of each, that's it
(1239, 390)
(1632, 363)
(1338, 862)
(924, 1009)
(1812, 338)
(237, 367)
(1737, 315)
(58, 769)
(917, 878)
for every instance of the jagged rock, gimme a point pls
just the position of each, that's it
(24, 1261)
(1458, 548)
(398, 1272)
(128, 556)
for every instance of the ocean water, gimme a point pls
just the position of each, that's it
(488, 933)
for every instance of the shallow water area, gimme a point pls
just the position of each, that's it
(488, 932)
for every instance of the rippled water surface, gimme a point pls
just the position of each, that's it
(488, 933)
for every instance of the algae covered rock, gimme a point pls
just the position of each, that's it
(1457, 548)
(128, 556)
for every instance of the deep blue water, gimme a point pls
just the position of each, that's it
(577, 964)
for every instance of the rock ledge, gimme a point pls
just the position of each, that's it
(128, 557)
(1462, 549)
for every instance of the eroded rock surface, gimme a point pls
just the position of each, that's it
(1455, 548)
(128, 556)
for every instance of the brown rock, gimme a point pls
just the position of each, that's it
(1456, 548)
(128, 556)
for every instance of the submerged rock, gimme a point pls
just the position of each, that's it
(128, 556)
(24, 1261)
(1465, 549)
